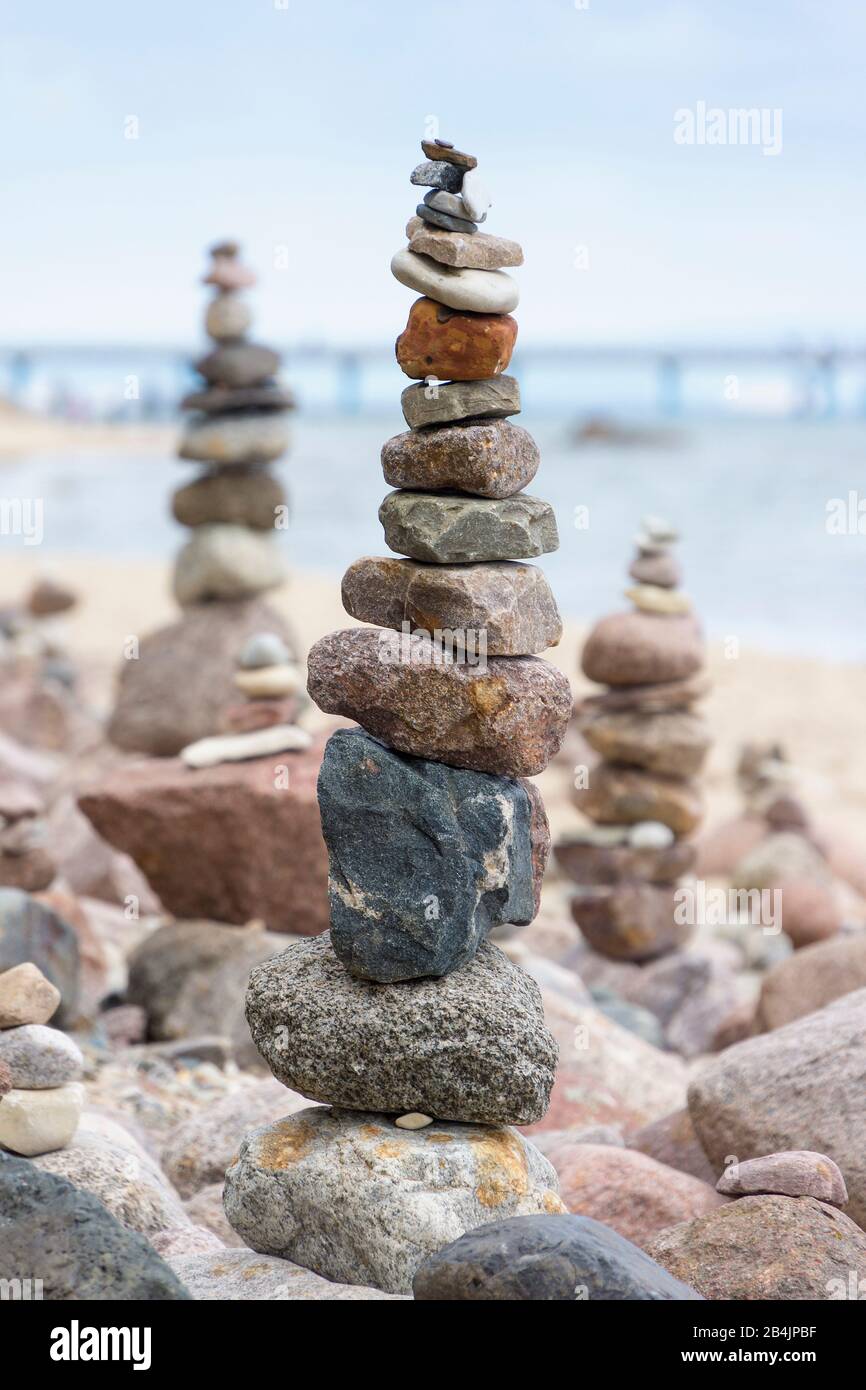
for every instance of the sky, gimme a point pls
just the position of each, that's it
(293, 125)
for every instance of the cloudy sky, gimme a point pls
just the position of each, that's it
(294, 125)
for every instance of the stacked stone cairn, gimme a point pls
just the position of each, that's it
(422, 1040)
(40, 1067)
(176, 690)
(642, 796)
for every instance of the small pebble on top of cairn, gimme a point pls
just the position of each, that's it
(642, 796)
(40, 1067)
(427, 1041)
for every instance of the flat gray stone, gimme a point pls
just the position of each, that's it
(470, 1047)
(448, 529)
(362, 1202)
(238, 365)
(449, 402)
(444, 220)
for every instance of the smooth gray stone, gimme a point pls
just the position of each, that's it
(446, 403)
(449, 528)
(436, 173)
(444, 220)
(452, 203)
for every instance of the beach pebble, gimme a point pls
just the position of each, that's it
(471, 1046)
(619, 794)
(641, 648)
(235, 438)
(475, 196)
(546, 1258)
(671, 741)
(467, 347)
(477, 252)
(437, 173)
(652, 598)
(39, 1121)
(452, 203)
(244, 1275)
(228, 316)
(489, 459)
(481, 291)
(270, 682)
(443, 149)
(413, 1121)
(49, 596)
(227, 272)
(449, 529)
(797, 1173)
(660, 569)
(654, 698)
(226, 562)
(509, 718)
(650, 834)
(264, 649)
(233, 748)
(32, 931)
(247, 715)
(230, 496)
(506, 608)
(458, 852)
(40, 1058)
(629, 921)
(588, 863)
(224, 400)
(811, 978)
(26, 996)
(314, 1189)
(238, 364)
(443, 221)
(657, 532)
(447, 403)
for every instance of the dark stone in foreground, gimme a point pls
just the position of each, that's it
(424, 858)
(65, 1237)
(546, 1259)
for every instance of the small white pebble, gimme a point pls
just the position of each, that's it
(414, 1120)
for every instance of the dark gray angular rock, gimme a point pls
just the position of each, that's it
(424, 858)
(546, 1259)
(448, 528)
(471, 1047)
(436, 173)
(65, 1237)
(449, 402)
(32, 931)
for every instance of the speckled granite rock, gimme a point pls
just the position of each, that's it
(229, 1275)
(39, 1057)
(508, 718)
(510, 603)
(358, 1200)
(471, 1047)
(448, 528)
(492, 458)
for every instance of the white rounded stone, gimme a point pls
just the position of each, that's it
(478, 291)
(475, 196)
(414, 1120)
(228, 316)
(650, 834)
(263, 682)
(38, 1122)
(236, 748)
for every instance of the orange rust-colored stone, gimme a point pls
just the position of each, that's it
(455, 347)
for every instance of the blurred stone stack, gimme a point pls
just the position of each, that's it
(174, 690)
(642, 796)
(424, 1038)
(40, 1067)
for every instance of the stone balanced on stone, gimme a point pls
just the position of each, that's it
(175, 691)
(421, 1039)
(40, 1067)
(642, 795)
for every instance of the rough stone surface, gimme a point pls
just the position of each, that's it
(798, 1173)
(510, 603)
(448, 528)
(230, 842)
(489, 459)
(629, 921)
(674, 741)
(470, 1047)
(40, 1058)
(184, 1241)
(638, 648)
(447, 403)
(621, 795)
(26, 996)
(424, 858)
(126, 1181)
(672, 1141)
(437, 173)
(230, 497)
(478, 251)
(230, 1275)
(235, 438)
(360, 1201)
(443, 149)
(809, 979)
(228, 563)
(36, 1122)
(766, 1248)
(509, 718)
(32, 931)
(480, 291)
(546, 1259)
(73, 1244)
(238, 364)
(800, 1087)
(5, 1080)
(467, 347)
(184, 676)
(587, 863)
(626, 1190)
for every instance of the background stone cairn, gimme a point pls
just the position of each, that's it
(642, 796)
(421, 1039)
